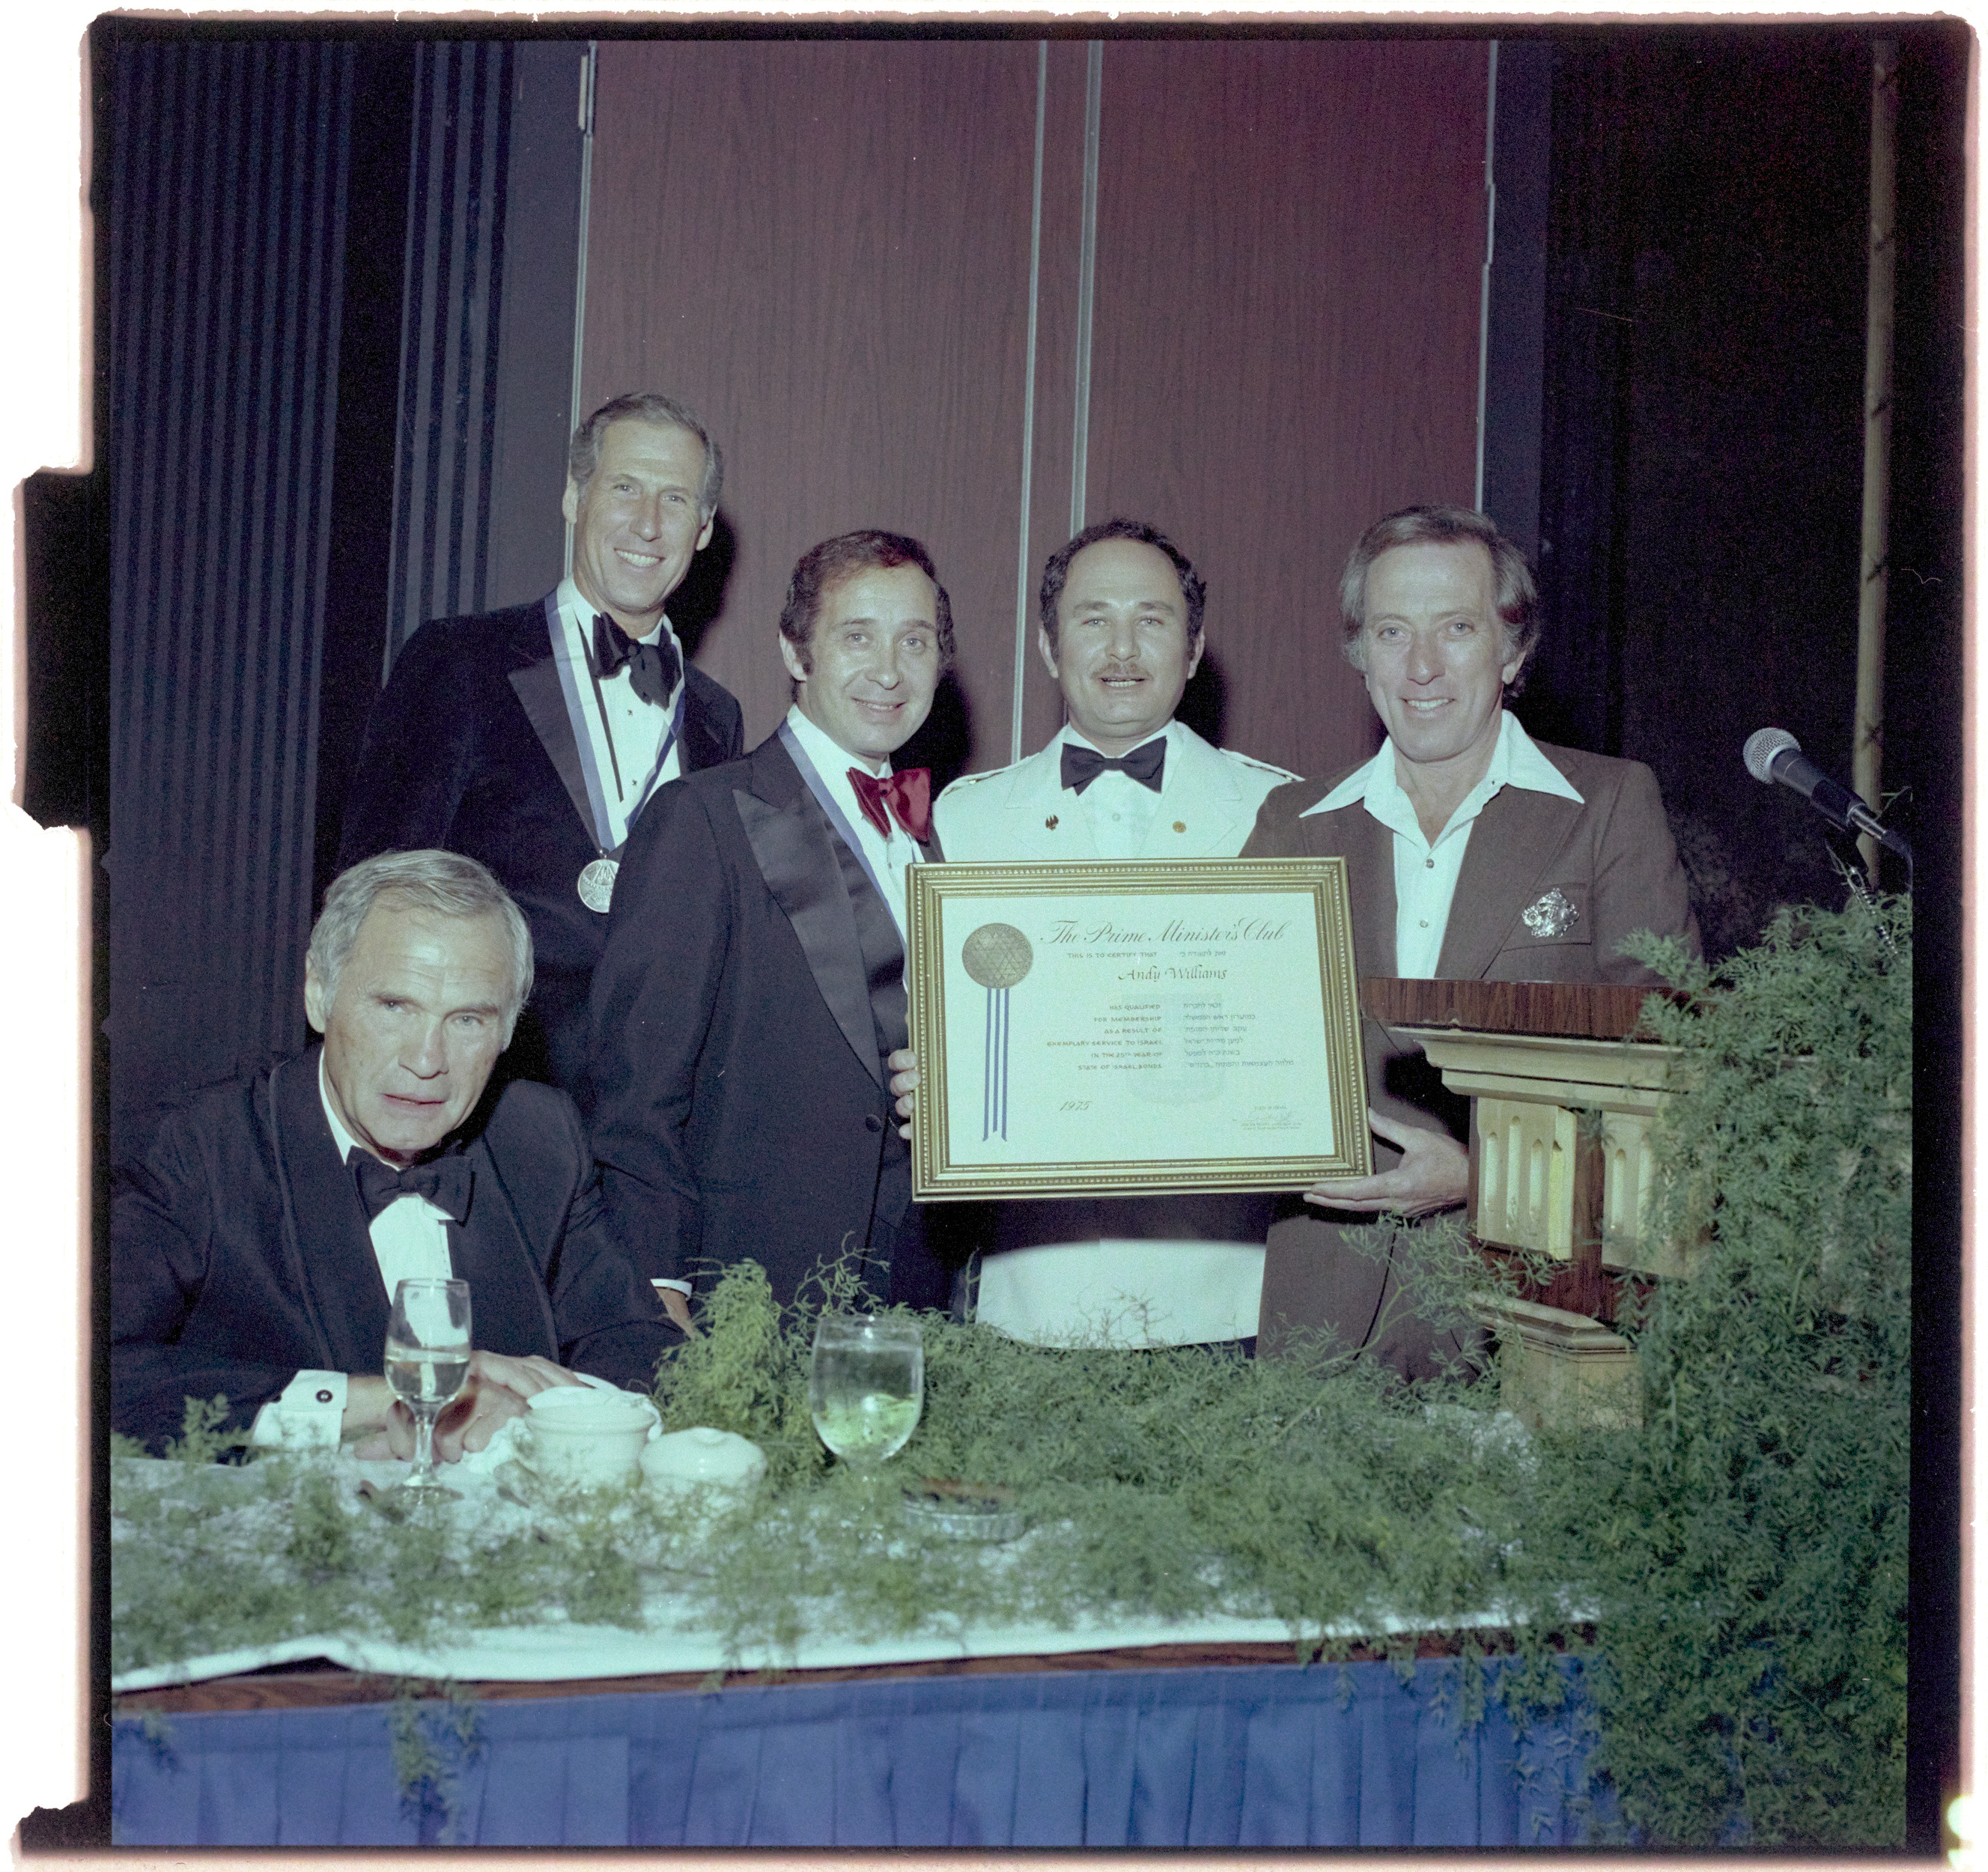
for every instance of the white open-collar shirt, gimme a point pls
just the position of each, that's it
(1425, 870)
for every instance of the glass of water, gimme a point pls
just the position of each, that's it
(427, 1363)
(866, 1385)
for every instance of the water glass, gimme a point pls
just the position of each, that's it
(866, 1385)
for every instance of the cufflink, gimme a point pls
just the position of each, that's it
(1552, 916)
(324, 1396)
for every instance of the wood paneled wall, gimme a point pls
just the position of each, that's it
(826, 247)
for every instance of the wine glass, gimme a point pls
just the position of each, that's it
(865, 1386)
(427, 1362)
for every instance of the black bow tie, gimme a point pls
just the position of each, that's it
(1144, 764)
(445, 1181)
(653, 668)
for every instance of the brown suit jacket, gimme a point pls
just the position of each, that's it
(1610, 856)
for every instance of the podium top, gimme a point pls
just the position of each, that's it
(1581, 1010)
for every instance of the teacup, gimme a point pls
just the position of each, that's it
(577, 1435)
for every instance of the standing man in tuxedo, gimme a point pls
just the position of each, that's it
(533, 739)
(752, 993)
(1121, 610)
(1473, 853)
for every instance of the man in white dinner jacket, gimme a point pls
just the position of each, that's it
(1120, 632)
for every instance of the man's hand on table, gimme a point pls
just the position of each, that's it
(498, 1388)
(1434, 1174)
(904, 1065)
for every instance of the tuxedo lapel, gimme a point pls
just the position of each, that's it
(338, 1277)
(704, 744)
(487, 1249)
(1354, 833)
(1499, 878)
(793, 846)
(537, 685)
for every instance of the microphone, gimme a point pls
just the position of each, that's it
(1773, 755)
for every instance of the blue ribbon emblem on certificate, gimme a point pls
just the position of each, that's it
(997, 955)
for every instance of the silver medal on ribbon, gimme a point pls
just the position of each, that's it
(596, 884)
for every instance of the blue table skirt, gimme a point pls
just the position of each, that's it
(1233, 1757)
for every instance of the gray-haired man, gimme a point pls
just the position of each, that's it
(254, 1251)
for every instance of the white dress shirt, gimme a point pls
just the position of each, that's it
(409, 1242)
(623, 733)
(889, 856)
(1426, 870)
(1118, 810)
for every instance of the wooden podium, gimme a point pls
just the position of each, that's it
(1561, 1102)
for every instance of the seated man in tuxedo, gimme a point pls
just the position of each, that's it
(254, 1250)
(1121, 633)
(531, 739)
(752, 993)
(1473, 853)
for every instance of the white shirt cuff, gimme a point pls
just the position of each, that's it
(307, 1416)
(680, 1286)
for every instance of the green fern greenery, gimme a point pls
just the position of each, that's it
(1733, 1573)
(1746, 1551)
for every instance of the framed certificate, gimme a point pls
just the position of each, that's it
(1091, 1030)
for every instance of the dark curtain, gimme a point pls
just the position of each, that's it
(228, 169)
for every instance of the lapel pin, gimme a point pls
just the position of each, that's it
(1552, 916)
(1179, 825)
(1049, 824)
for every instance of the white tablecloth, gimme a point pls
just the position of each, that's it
(557, 1650)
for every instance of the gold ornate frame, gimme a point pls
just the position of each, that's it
(1324, 967)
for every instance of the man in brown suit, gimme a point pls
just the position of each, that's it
(1472, 853)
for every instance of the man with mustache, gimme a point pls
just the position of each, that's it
(752, 992)
(1121, 611)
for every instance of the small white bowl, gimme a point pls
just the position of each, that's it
(704, 1472)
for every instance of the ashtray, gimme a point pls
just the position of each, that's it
(961, 1511)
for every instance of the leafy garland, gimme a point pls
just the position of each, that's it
(1747, 1549)
(1742, 1555)
(1158, 1485)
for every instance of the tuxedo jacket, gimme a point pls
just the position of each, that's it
(750, 992)
(469, 748)
(1611, 860)
(240, 1252)
(1022, 813)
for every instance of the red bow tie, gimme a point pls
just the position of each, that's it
(908, 795)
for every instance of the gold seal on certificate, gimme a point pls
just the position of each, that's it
(1093, 1030)
(596, 884)
(997, 955)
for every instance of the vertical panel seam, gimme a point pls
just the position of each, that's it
(1490, 254)
(1029, 408)
(1093, 94)
(590, 73)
